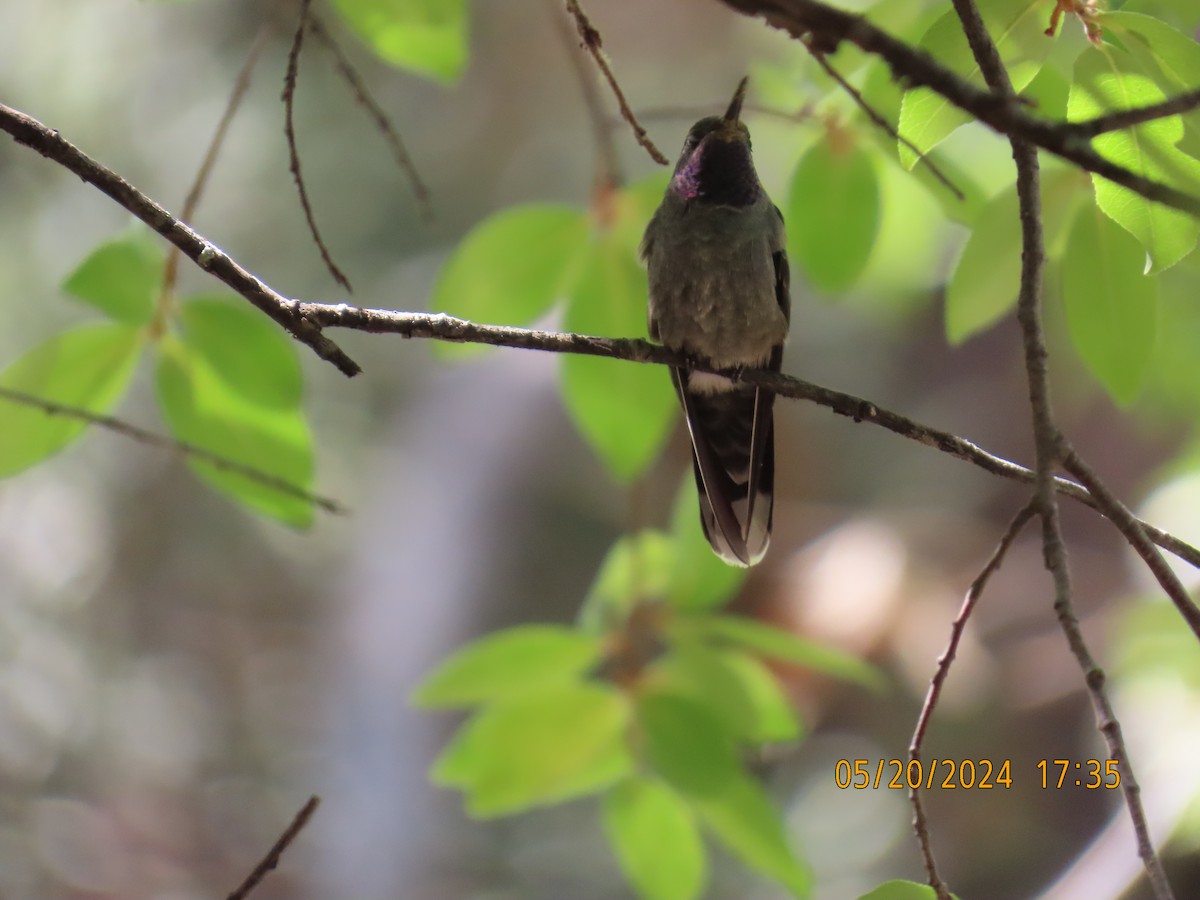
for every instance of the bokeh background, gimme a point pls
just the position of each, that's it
(177, 676)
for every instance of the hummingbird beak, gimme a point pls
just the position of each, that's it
(735, 105)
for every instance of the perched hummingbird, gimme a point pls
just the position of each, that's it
(718, 272)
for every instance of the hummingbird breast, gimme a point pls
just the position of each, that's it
(712, 281)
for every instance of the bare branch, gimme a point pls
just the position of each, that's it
(359, 88)
(827, 27)
(920, 824)
(289, 130)
(591, 42)
(271, 860)
(150, 439)
(1127, 118)
(208, 256)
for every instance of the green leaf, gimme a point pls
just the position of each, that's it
(777, 644)
(1112, 307)
(656, 841)
(742, 817)
(833, 211)
(699, 579)
(511, 267)
(121, 278)
(87, 368)
(1108, 79)
(736, 688)
(1157, 46)
(424, 36)
(539, 748)
(230, 383)
(686, 743)
(1017, 26)
(986, 279)
(901, 890)
(635, 570)
(507, 663)
(1152, 642)
(624, 410)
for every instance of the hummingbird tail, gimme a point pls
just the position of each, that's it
(733, 451)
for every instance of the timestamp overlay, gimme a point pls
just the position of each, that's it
(975, 774)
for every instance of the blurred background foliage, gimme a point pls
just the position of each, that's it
(178, 674)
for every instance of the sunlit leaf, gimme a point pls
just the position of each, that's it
(1157, 45)
(425, 36)
(1108, 79)
(656, 840)
(624, 410)
(203, 408)
(511, 267)
(121, 278)
(735, 687)
(1017, 26)
(87, 368)
(686, 742)
(782, 646)
(1153, 642)
(635, 570)
(699, 579)
(509, 662)
(833, 211)
(538, 748)
(741, 815)
(901, 890)
(1112, 307)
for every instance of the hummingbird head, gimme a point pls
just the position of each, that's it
(715, 166)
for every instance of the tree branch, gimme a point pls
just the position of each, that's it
(150, 439)
(271, 860)
(826, 28)
(208, 256)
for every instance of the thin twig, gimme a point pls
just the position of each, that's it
(1129, 526)
(591, 42)
(205, 254)
(883, 123)
(1050, 447)
(150, 439)
(289, 130)
(920, 824)
(1127, 118)
(240, 85)
(271, 860)
(609, 174)
(827, 27)
(361, 93)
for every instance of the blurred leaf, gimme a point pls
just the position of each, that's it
(698, 577)
(833, 211)
(634, 570)
(509, 662)
(121, 278)
(986, 280)
(1105, 80)
(1112, 307)
(655, 839)
(624, 410)
(1017, 27)
(511, 267)
(245, 349)
(539, 748)
(686, 742)
(86, 368)
(782, 646)
(736, 688)
(203, 408)
(1150, 640)
(901, 890)
(425, 36)
(743, 818)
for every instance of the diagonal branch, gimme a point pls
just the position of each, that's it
(826, 28)
(271, 861)
(208, 256)
(150, 439)
(1127, 118)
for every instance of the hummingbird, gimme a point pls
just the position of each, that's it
(719, 293)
